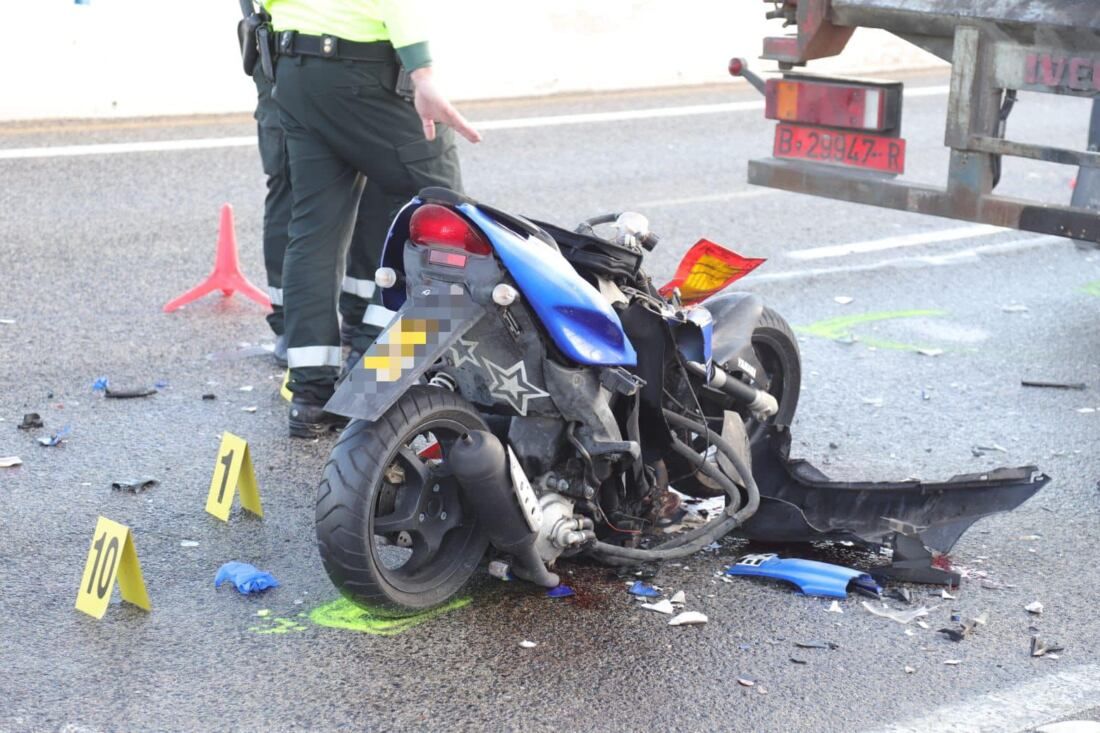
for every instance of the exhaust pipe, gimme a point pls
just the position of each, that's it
(480, 465)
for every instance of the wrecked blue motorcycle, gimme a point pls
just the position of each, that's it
(536, 392)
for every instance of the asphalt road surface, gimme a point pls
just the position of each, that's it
(94, 242)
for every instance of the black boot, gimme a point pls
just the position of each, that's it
(309, 419)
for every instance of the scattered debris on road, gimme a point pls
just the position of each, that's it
(1015, 308)
(909, 670)
(901, 617)
(247, 578)
(746, 681)
(1040, 648)
(209, 396)
(561, 591)
(1034, 607)
(250, 409)
(813, 578)
(500, 570)
(843, 300)
(930, 352)
(965, 628)
(188, 543)
(796, 660)
(100, 384)
(981, 450)
(1053, 385)
(688, 617)
(10, 461)
(834, 607)
(134, 485)
(662, 606)
(679, 598)
(952, 662)
(815, 644)
(873, 401)
(31, 421)
(643, 590)
(528, 644)
(129, 394)
(57, 438)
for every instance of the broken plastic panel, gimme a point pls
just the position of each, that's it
(798, 503)
(812, 578)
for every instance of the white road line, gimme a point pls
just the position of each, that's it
(955, 257)
(1018, 708)
(152, 146)
(708, 198)
(518, 123)
(904, 240)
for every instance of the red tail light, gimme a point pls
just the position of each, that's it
(437, 226)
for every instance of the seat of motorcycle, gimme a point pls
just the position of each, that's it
(447, 197)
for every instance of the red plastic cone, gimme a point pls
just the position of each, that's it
(227, 276)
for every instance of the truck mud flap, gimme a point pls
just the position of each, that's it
(426, 326)
(918, 520)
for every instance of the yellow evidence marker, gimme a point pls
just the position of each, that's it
(284, 389)
(112, 553)
(232, 472)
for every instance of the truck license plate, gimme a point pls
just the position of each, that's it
(851, 149)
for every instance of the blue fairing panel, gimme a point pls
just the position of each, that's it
(578, 319)
(812, 578)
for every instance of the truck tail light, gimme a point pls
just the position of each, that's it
(840, 103)
(433, 225)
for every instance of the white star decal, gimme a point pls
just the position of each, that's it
(510, 385)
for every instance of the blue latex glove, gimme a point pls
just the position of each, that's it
(246, 577)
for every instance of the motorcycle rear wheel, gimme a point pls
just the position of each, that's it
(392, 529)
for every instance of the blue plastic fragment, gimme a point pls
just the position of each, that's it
(100, 384)
(57, 437)
(812, 578)
(247, 578)
(645, 590)
(161, 384)
(562, 591)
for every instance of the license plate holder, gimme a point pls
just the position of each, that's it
(845, 148)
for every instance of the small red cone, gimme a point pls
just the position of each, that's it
(226, 276)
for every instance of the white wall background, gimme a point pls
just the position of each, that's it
(123, 58)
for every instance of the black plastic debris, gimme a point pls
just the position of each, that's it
(209, 396)
(1054, 385)
(31, 421)
(134, 485)
(129, 394)
(816, 645)
(965, 628)
(1040, 648)
(796, 660)
(902, 594)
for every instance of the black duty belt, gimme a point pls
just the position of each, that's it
(293, 43)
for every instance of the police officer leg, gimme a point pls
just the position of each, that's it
(272, 147)
(326, 193)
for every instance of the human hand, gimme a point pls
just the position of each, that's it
(433, 107)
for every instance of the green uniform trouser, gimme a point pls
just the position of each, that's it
(357, 287)
(343, 121)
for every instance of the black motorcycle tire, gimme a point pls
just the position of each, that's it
(354, 486)
(777, 350)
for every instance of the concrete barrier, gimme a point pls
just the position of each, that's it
(127, 58)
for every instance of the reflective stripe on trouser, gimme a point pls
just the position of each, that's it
(342, 120)
(276, 295)
(314, 356)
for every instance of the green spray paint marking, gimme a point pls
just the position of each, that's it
(343, 614)
(840, 328)
(278, 625)
(1092, 288)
